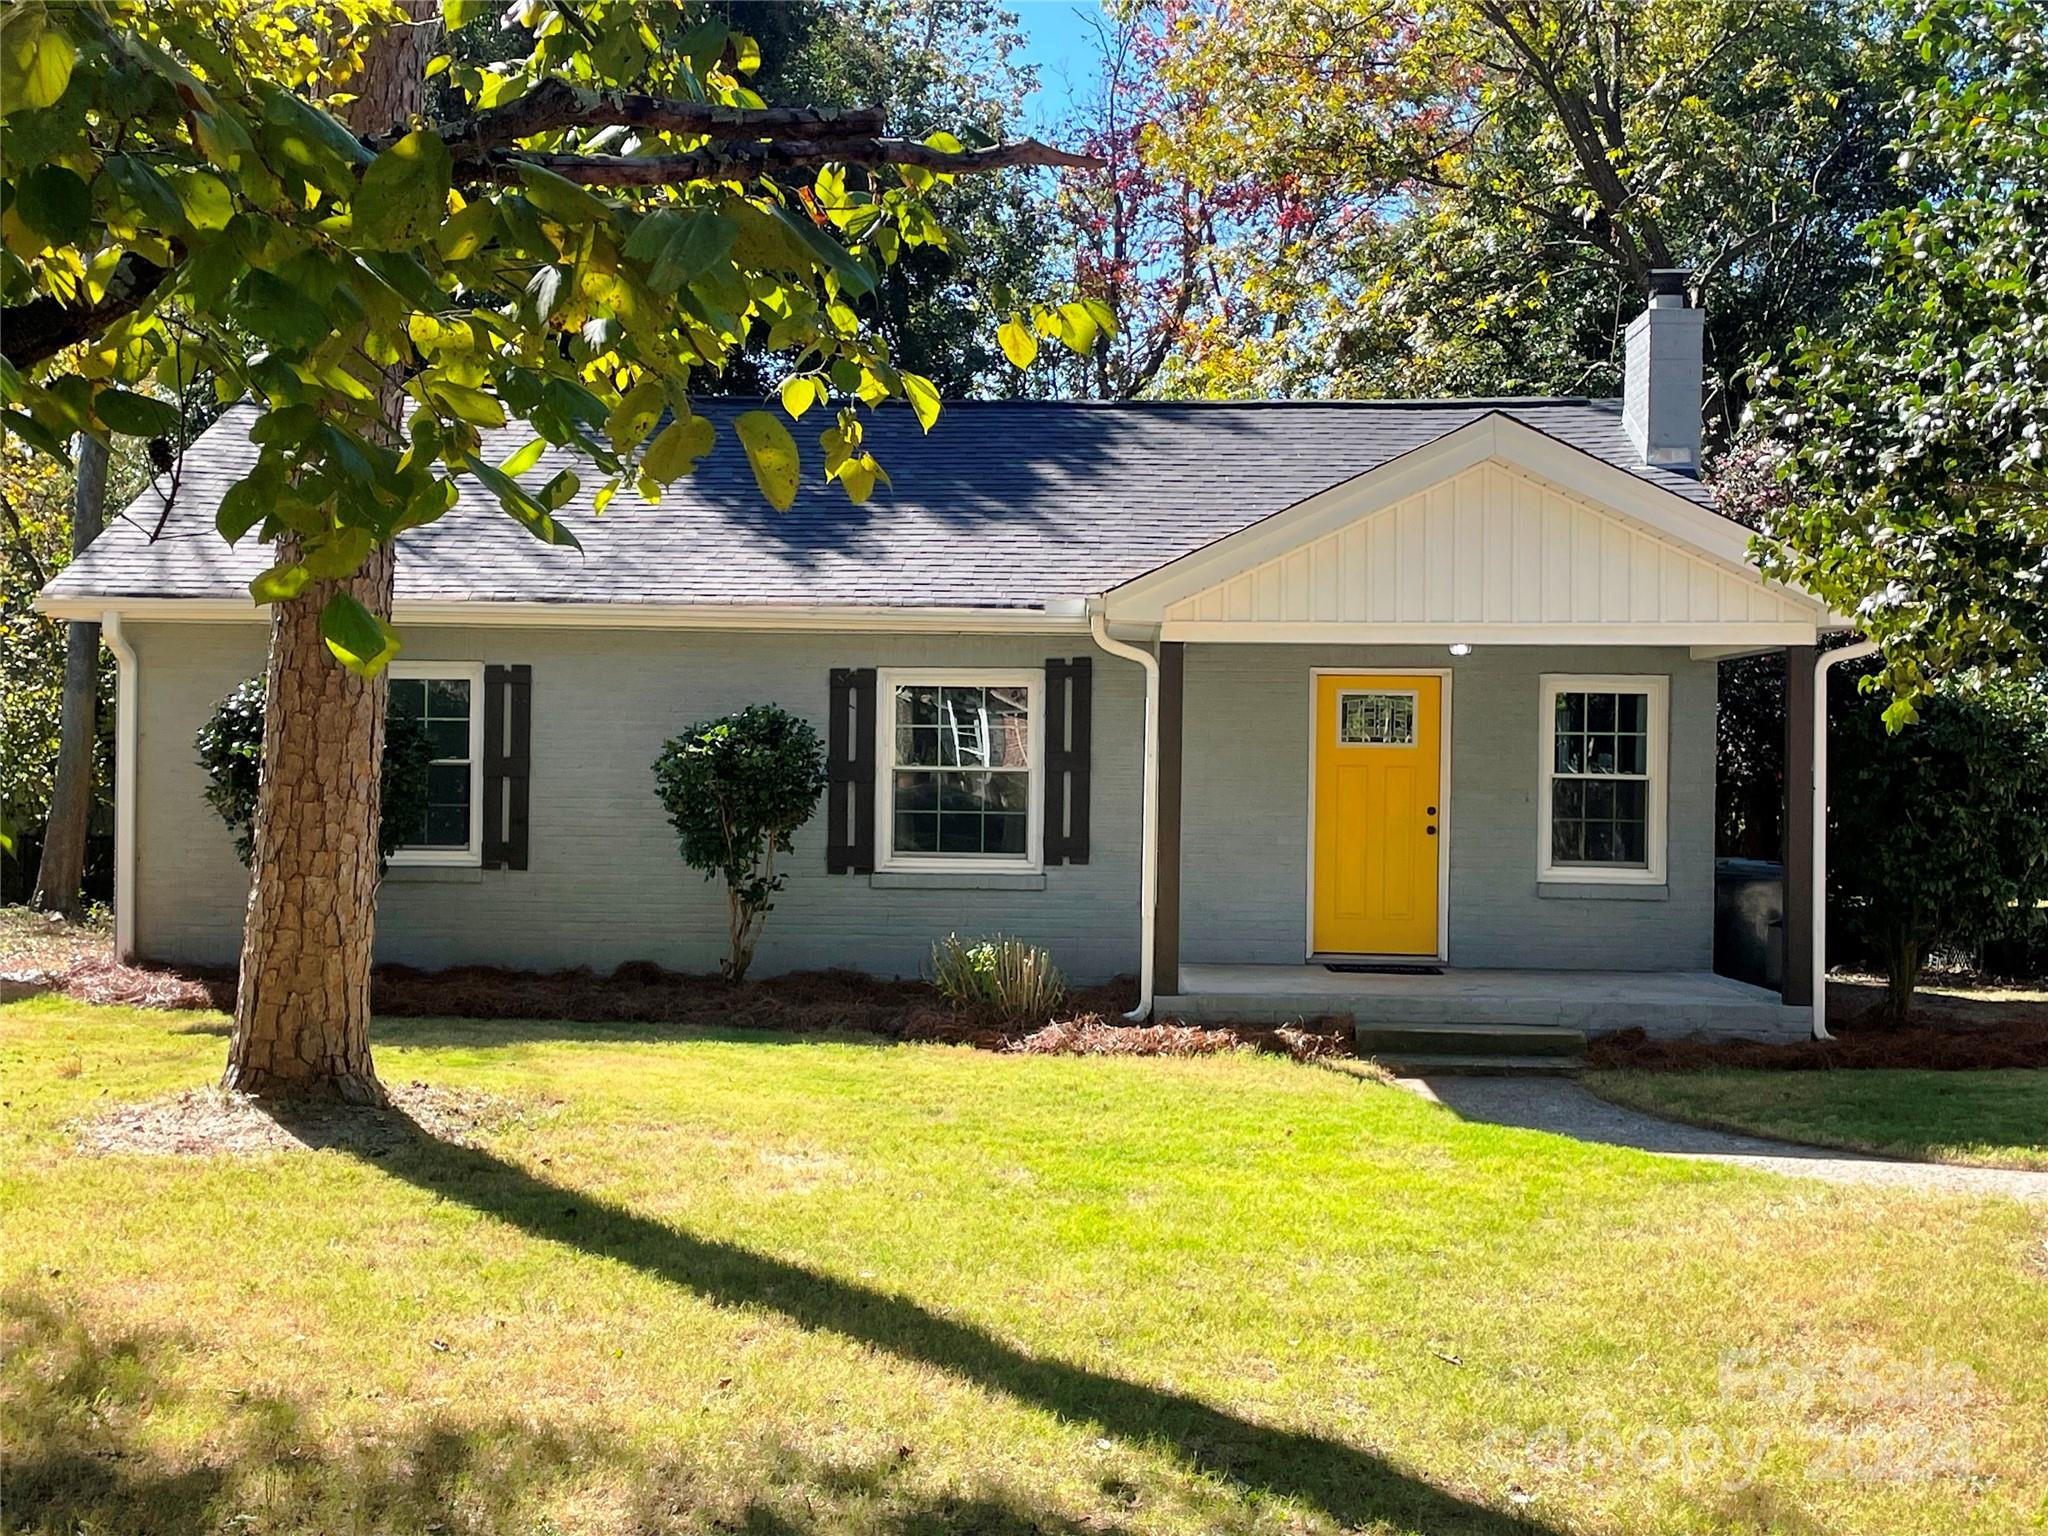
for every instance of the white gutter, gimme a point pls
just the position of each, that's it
(867, 617)
(126, 728)
(1821, 667)
(1148, 858)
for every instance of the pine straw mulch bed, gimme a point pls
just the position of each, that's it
(201, 1122)
(815, 1002)
(1945, 1033)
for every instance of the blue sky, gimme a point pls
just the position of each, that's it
(1061, 42)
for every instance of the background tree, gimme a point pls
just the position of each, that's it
(1478, 190)
(736, 789)
(1916, 435)
(177, 201)
(37, 495)
(230, 746)
(60, 874)
(1938, 832)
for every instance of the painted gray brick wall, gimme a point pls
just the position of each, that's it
(606, 883)
(1244, 866)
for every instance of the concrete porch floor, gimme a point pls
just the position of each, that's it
(1668, 1004)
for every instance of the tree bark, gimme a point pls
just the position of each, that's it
(302, 1004)
(60, 876)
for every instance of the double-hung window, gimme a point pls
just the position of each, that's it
(961, 757)
(1602, 748)
(446, 698)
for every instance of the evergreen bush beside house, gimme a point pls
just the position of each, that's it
(1938, 831)
(231, 751)
(736, 788)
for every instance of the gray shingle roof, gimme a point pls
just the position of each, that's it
(1003, 505)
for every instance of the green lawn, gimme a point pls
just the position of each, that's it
(1993, 1119)
(752, 1283)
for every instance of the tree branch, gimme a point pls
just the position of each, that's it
(749, 161)
(38, 330)
(556, 104)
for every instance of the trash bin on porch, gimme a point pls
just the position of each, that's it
(1749, 921)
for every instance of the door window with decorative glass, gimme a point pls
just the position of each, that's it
(446, 701)
(1602, 807)
(960, 785)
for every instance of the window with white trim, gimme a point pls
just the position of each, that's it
(447, 699)
(1603, 749)
(961, 757)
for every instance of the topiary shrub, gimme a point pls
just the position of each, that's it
(1003, 979)
(231, 751)
(1937, 832)
(735, 789)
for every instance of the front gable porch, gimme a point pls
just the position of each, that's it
(1479, 683)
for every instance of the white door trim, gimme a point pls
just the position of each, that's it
(1443, 822)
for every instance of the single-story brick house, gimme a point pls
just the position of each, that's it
(1434, 685)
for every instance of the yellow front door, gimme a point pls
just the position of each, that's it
(1378, 778)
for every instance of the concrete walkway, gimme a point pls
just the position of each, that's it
(1566, 1109)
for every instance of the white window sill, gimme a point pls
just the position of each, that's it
(1603, 890)
(435, 874)
(957, 880)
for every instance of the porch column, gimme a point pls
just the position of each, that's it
(1166, 911)
(1798, 838)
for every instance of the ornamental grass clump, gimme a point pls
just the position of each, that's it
(997, 977)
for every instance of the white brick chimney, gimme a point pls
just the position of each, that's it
(1663, 376)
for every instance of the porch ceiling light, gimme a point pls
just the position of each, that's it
(1461, 649)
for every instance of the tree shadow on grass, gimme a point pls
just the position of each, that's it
(77, 1399)
(1352, 1486)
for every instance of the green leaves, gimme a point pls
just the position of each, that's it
(530, 513)
(772, 453)
(306, 270)
(135, 415)
(56, 204)
(356, 637)
(679, 246)
(304, 141)
(404, 193)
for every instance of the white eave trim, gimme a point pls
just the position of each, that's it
(533, 615)
(1743, 637)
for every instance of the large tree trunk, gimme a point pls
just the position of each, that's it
(60, 876)
(302, 1005)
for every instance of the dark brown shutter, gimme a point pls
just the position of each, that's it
(508, 760)
(850, 773)
(1069, 750)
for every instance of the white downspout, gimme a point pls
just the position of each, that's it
(126, 726)
(1148, 858)
(1822, 665)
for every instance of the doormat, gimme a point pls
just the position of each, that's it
(1386, 970)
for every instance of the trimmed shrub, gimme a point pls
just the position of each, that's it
(736, 788)
(231, 751)
(998, 978)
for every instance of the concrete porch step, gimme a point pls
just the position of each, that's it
(1426, 1065)
(1467, 1040)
